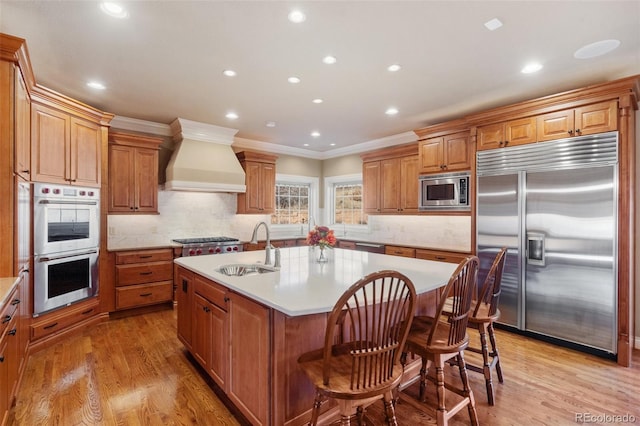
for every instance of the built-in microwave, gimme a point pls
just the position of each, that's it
(447, 191)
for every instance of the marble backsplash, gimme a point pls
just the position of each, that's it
(193, 214)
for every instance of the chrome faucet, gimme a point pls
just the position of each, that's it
(268, 247)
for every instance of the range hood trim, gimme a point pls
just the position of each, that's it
(187, 172)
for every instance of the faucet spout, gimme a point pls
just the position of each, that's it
(268, 247)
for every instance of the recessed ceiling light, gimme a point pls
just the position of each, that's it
(391, 111)
(297, 16)
(229, 73)
(293, 80)
(231, 115)
(96, 85)
(531, 68)
(329, 59)
(114, 10)
(317, 101)
(332, 144)
(394, 68)
(306, 144)
(493, 24)
(598, 48)
(270, 124)
(315, 134)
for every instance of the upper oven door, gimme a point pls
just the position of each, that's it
(64, 224)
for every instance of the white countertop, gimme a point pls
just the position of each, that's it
(302, 286)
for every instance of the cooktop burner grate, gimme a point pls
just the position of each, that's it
(205, 240)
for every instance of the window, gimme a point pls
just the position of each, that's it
(296, 200)
(292, 204)
(343, 201)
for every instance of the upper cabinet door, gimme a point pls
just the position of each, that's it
(146, 180)
(22, 128)
(50, 141)
(431, 155)
(596, 118)
(371, 186)
(86, 146)
(520, 132)
(456, 152)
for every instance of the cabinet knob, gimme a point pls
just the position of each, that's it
(226, 299)
(2, 358)
(506, 143)
(131, 208)
(577, 131)
(570, 132)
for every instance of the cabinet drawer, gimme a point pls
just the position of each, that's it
(57, 321)
(211, 291)
(400, 251)
(350, 245)
(8, 312)
(140, 273)
(143, 294)
(441, 256)
(127, 257)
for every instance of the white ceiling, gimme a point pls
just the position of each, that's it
(166, 60)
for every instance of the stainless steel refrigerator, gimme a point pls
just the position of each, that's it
(554, 205)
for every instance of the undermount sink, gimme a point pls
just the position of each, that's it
(241, 270)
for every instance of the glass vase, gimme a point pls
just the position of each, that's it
(322, 257)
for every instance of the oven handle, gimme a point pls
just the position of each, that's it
(78, 203)
(49, 259)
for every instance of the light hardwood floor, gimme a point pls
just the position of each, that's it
(134, 371)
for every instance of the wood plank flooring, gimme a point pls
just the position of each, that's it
(134, 371)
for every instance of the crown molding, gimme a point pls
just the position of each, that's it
(203, 132)
(133, 124)
(385, 142)
(275, 148)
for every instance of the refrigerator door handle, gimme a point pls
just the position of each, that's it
(535, 249)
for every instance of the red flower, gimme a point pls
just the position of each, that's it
(321, 236)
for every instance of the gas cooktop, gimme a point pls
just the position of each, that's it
(205, 240)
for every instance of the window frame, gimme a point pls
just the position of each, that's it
(314, 183)
(329, 201)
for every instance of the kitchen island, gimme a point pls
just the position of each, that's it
(248, 331)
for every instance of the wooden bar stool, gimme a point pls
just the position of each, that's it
(484, 312)
(364, 339)
(444, 337)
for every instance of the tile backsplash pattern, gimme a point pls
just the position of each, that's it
(195, 214)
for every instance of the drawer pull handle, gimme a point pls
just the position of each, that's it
(6, 319)
(145, 256)
(46, 327)
(440, 258)
(146, 273)
(145, 294)
(88, 311)
(12, 332)
(15, 302)
(2, 358)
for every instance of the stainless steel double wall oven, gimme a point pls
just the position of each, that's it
(66, 245)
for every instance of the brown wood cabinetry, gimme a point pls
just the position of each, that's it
(64, 149)
(260, 172)
(446, 153)
(400, 251)
(390, 180)
(22, 128)
(509, 133)
(65, 320)
(440, 256)
(230, 338)
(184, 296)
(143, 277)
(584, 120)
(133, 173)
(10, 356)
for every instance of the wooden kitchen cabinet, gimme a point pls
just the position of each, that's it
(446, 153)
(586, 120)
(210, 329)
(400, 251)
(184, 295)
(64, 149)
(143, 277)
(440, 256)
(260, 179)
(390, 180)
(509, 133)
(22, 136)
(133, 173)
(65, 319)
(9, 352)
(250, 357)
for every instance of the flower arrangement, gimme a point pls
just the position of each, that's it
(321, 236)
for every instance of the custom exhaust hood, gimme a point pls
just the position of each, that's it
(203, 160)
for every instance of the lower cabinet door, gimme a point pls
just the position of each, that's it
(143, 294)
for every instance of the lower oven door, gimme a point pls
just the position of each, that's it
(62, 279)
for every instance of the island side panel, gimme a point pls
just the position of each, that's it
(293, 393)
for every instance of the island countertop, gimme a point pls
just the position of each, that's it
(302, 286)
